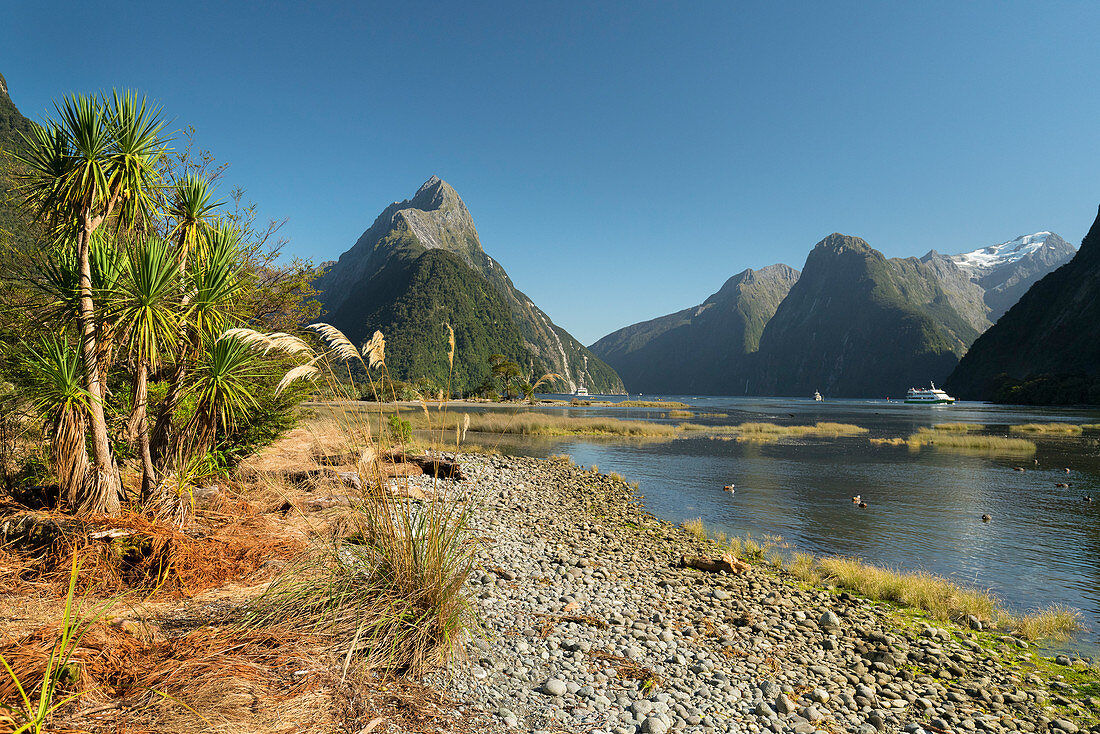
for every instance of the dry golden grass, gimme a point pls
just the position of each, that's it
(1047, 429)
(1054, 623)
(680, 414)
(888, 441)
(695, 529)
(958, 427)
(971, 442)
(940, 597)
(767, 431)
(943, 599)
(648, 404)
(546, 424)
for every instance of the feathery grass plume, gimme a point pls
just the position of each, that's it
(465, 425)
(306, 371)
(336, 341)
(375, 350)
(277, 341)
(450, 345)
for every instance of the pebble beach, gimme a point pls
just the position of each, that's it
(590, 624)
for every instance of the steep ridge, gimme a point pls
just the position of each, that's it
(856, 324)
(704, 349)
(385, 260)
(1048, 344)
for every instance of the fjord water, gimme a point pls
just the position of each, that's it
(924, 511)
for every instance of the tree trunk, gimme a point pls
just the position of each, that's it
(162, 429)
(104, 486)
(140, 419)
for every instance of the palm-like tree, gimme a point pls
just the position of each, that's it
(146, 306)
(213, 285)
(99, 162)
(56, 378)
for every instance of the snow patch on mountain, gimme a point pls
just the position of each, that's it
(980, 262)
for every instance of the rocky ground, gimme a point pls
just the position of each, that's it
(590, 625)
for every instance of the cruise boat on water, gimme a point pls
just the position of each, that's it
(926, 396)
(582, 392)
(817, 396)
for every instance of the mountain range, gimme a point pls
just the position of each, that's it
(1045, 348)
(853, 323)
(419, 266)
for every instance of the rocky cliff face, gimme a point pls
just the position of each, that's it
(856, 324)
(436, 219)
(1054, 328)
(703, 349)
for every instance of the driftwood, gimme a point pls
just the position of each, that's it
(726, 562)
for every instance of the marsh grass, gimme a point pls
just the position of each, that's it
(971, 442)
(695, 529)
(647, 404)
(1047, 429)
(888, 441)
(942, 599)
(769, 431)
(1090, 426)
(958, 427)
(1054, 623)
(547, 424)
(680, 414)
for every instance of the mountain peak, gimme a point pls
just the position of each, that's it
(435, 194)
(838, 243)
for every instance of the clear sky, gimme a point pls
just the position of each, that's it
(621, 160)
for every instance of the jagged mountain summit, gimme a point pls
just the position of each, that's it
(421, 264)
(1005, 271)
(703, 349)
(1046, 348)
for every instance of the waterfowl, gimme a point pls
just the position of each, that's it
(1018, 468)
(1088, 498)
(1067, 470)
(986, 518)
(856, 499)
(863, 505)
(1061, 484)
(729, 487)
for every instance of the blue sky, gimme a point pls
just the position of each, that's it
(621, 160)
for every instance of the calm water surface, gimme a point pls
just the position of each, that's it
(1042, 546)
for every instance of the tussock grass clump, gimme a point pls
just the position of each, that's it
(680, 414)
(649, 404)
(695, 529)
(1047, 429)
(971, 442)
(1053, 623)
(543, 424)
(941, 598)
(1091, 426)
(391, 593)
(958, 427)
(755, 430)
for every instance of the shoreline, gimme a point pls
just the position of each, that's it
(590, 624)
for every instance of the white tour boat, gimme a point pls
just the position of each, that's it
(926, 396)
(582, 392)
(817, 396)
